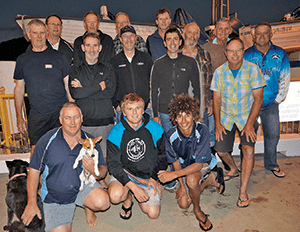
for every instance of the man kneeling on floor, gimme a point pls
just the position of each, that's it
(188, 149)
(54, 155)
(135, 154)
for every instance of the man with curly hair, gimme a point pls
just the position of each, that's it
(187, 148)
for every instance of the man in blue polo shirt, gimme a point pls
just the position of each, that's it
(54, 156)
(188, 149)
(275, 66)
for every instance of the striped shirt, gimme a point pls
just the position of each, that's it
(236, 93)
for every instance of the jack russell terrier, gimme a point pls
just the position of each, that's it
(88, 148)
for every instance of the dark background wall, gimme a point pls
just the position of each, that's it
(249, 11)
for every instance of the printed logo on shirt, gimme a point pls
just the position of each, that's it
(48, 66)
(136, 149)
(182, 69)
(276, 57)
(140, 63)
(100, 73)
(122, 65)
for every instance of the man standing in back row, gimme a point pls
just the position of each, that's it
(91, 23)
(275, 66)
(155, 42)
(122, 20)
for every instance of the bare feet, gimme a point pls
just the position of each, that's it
(91, 218)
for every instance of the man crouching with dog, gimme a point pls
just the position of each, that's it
(54, 156)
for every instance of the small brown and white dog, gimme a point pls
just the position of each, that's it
(88, 148)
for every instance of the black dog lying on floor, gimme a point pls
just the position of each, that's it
(16, 199)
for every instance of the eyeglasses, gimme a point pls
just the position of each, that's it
(54, 24)
(235, 50)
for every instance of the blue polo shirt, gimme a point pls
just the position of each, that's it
(53, 156)
(195, 148)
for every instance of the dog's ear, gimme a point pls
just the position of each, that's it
(96, 140)
(80, 141)
(8, 164)
(25, 163)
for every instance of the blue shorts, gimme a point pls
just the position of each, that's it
(153, 199)
(57, 214)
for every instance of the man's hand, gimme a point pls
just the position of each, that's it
(249, 133)
(165, 176)
(76, 83)
(102, 85)
(140, 194)
(30, 211)
(21, 124)
(156, 186)
(88, 164)
(157, 119)
(181, 192)
(219, 130)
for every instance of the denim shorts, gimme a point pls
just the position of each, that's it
(57, 214)
(153, 199)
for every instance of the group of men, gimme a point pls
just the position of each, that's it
(173, 102)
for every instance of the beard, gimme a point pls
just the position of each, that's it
(191, 42)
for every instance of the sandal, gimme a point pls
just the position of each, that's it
(220, 179)
(126, 210)
(241, 201)
(204, 222)
(276, 173)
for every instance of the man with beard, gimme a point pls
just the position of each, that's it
(191, 34)
(92, 85)
(155, 42)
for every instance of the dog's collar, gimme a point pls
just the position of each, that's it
(14, 176)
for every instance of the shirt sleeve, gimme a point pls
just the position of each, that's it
(284, 79)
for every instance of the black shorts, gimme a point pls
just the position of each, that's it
(38, 125)
(226, 145)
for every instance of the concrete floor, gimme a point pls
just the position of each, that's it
(274, 206)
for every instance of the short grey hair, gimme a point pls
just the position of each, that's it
(68, 105)
(223, 19)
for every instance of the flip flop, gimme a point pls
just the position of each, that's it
(241, 201)
(126, 210)
(220, 179)
(200, 221)
(231, 176)
(275, 173)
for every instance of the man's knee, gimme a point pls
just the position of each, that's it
(184, 202)
(248, 152)
(97, 200)
(116, 194)
(192, 181)
(153, 212)
(223, 154)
